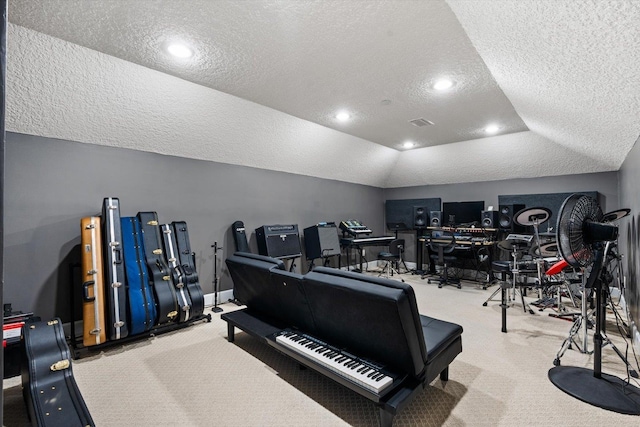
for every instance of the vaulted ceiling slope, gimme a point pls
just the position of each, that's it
(559, 77)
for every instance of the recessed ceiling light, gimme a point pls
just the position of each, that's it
(408, 144)
(492, 129)
(443, 84)
(343, 116)
(179, 50)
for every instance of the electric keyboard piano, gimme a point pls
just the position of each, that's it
(357, 243)
(361, 375)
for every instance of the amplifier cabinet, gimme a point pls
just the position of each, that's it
(321, 240)
(279, 241)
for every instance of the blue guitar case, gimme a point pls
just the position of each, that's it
(159, 274)
(179, 279)
(48, 386)
(187, 262)
(114, 276)
(142, 306)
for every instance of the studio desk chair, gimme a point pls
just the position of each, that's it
(442, 243)
(391, 257)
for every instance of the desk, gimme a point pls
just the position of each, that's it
(472, 249)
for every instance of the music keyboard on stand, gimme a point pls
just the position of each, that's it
(359, 242)
(366, 377)
(354, 227)
(366, 241)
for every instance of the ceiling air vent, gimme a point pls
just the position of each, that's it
(421, 122)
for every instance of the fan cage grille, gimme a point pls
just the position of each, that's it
(576, 210)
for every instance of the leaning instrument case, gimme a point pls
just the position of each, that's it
(159, 274)
(114, 274)
(179, 279)
(188, 267)
(142, 305)
(49, 389)
(93, 314)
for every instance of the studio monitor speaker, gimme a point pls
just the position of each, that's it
(419, 217)
(435, 219)
(505, 218)
(489, 219)
(240, 237)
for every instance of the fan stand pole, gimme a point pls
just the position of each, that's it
(592, 386)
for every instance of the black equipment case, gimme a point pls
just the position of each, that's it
(49, 389)
(159, 275)
(188, 266)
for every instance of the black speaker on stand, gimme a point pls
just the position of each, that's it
(489, 219)
(419, 217)
(435, 219)
(505, 218)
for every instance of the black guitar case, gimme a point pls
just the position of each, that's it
(114, 274)
(159, 274)
(179, 279)
(188, 267)
(49, 389)
(240, 237)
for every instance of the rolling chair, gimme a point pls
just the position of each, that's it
(443, 243)
(394, 255)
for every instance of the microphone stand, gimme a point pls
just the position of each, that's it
(215, 247)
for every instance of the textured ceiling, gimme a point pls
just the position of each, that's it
(309, 59)
(561, 78)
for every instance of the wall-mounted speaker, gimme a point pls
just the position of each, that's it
(505, 218)
(419, 217)
(489, 219)
(435, 219)
(240, 237)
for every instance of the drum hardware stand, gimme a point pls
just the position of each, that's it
(514, 273)
(216, 248)
(582, 321)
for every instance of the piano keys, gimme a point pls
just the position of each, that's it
(366, 241)
(356, 370)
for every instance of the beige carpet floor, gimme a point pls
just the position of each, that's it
(194, 377)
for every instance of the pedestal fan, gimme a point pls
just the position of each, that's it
(583, 240)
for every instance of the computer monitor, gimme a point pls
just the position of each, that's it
(461, 213)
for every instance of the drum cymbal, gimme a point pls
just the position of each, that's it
(511, 245)
(531, 216)
(548, 234)
(545, 250)
(615, 215)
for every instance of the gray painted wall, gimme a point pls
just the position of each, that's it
(51, 184)
(630, 233)
(606, 183)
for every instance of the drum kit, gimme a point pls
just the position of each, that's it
(530, 254)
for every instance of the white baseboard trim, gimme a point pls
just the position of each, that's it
(223, 296)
